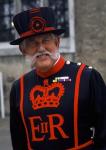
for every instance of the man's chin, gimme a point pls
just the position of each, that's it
(40, 62)
(44, 66)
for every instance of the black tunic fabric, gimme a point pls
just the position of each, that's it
(48, 110)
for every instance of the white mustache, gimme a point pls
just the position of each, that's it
(42, 53)
(54, 55)
(33, 58)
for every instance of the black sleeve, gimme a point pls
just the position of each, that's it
(98, 92)
(17, 130)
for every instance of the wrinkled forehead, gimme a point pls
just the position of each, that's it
(42, 36)
(46, 35)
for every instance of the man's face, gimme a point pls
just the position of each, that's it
(42, 49)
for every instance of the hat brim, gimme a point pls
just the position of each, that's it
(19, 40)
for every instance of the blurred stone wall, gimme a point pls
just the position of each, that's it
(11, 67)
(91, 33)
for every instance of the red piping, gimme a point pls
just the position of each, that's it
(21, 110)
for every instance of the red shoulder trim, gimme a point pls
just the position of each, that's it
(76, 95)
(21, 110)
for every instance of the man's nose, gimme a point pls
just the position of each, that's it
(41, 47)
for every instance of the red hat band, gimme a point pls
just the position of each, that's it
(37, 25)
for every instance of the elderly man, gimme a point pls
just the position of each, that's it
(59, 105)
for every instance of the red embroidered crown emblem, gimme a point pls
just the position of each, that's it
(47, 95)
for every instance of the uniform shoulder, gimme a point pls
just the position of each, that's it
(29, 74)
(72, 64)
(26, 75)
(77, 65)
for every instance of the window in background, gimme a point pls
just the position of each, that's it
(27, 4)
(61, 9)
(6, 13)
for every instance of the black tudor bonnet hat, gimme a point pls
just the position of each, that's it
(34, 22)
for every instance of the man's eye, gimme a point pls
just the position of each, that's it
(46, 40)
(31, 39)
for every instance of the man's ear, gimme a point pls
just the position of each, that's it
(58, 41)
(21, 49)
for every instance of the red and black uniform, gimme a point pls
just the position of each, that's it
(57, 110)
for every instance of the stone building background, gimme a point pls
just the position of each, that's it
(90, 35)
